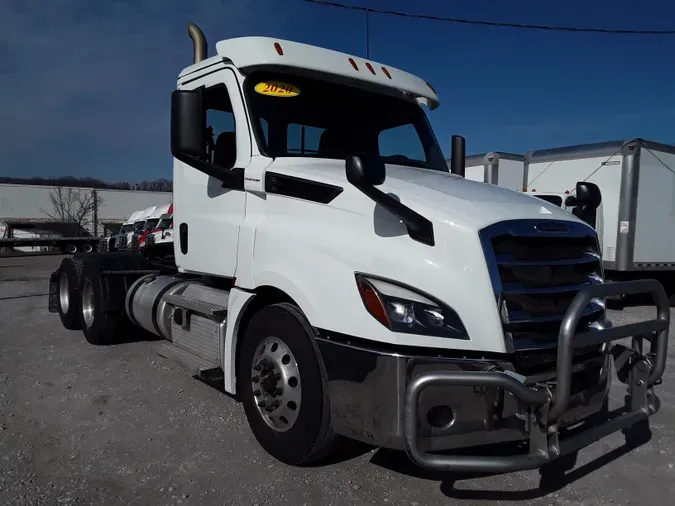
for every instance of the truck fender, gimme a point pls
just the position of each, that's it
(238, 302)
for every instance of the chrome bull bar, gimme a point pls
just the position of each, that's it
(641, 373)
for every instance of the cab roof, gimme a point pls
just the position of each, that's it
(254, 53)
(158, 211)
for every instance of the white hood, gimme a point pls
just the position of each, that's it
(469, 201)
(437, 195)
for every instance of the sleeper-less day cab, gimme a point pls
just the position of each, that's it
(335, 275)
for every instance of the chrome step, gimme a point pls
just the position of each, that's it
(194, 363)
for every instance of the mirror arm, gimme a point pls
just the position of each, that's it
(419, 228)
(571, 201)
(231, 178)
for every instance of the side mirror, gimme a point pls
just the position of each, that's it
(365, 171)
(187, 124)
(188, 138)
(587, 195)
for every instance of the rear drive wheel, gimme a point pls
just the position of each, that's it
(282, 382)
(99, 324)
(70, 285)
(102, 317)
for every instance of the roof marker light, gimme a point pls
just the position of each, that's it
(351, 60)
(280, 51)
(431, 88)
(386, 72)
(370, 67)
(567, 192)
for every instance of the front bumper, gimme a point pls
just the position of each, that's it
(385, 398)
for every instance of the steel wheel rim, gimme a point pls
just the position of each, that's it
(64, 294)
(88, 303)
(275, 379)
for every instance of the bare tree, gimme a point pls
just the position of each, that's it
(74, 208)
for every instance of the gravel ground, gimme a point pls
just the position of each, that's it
(120, 425)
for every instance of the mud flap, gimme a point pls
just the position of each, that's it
(54, 292)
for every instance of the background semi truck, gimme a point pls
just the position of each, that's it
(333, 274)
(636, 178)
(163, 234)
(502, 169)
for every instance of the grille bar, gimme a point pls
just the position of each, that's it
(513, 289)
(536, 270)
(511, 261)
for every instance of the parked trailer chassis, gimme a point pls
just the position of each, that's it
(65, 244)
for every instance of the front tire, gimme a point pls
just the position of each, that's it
(283, 386)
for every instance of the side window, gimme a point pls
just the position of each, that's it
(221, 136)
(303, 139)
(403, 141)
(265, 129)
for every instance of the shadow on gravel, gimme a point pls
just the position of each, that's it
(135, 335)
(349, 449)
(552, 479)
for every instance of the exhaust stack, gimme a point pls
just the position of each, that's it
(458, 155)
(199, 42)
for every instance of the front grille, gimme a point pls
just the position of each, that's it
(536, 272)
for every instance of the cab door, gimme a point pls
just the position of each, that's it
(207, 213)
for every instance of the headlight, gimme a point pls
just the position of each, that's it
(401, 308)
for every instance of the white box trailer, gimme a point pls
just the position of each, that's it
(636, 218)
(499, 168)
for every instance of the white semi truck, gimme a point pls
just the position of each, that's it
(158, 231)
(336, 277)
(118, 240)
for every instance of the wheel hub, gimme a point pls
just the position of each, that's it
(275, 379)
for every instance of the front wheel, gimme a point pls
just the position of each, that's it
(283, 386)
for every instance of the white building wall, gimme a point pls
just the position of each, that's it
(32, 203)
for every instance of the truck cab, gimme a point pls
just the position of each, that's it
(163, 233)
(152, 223)
(342, 281)
(130, 239)
(118, 240)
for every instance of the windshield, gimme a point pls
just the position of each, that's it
(150, 224)
(126, 228)
(138, 226)
(328, 120)
(165, 223)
